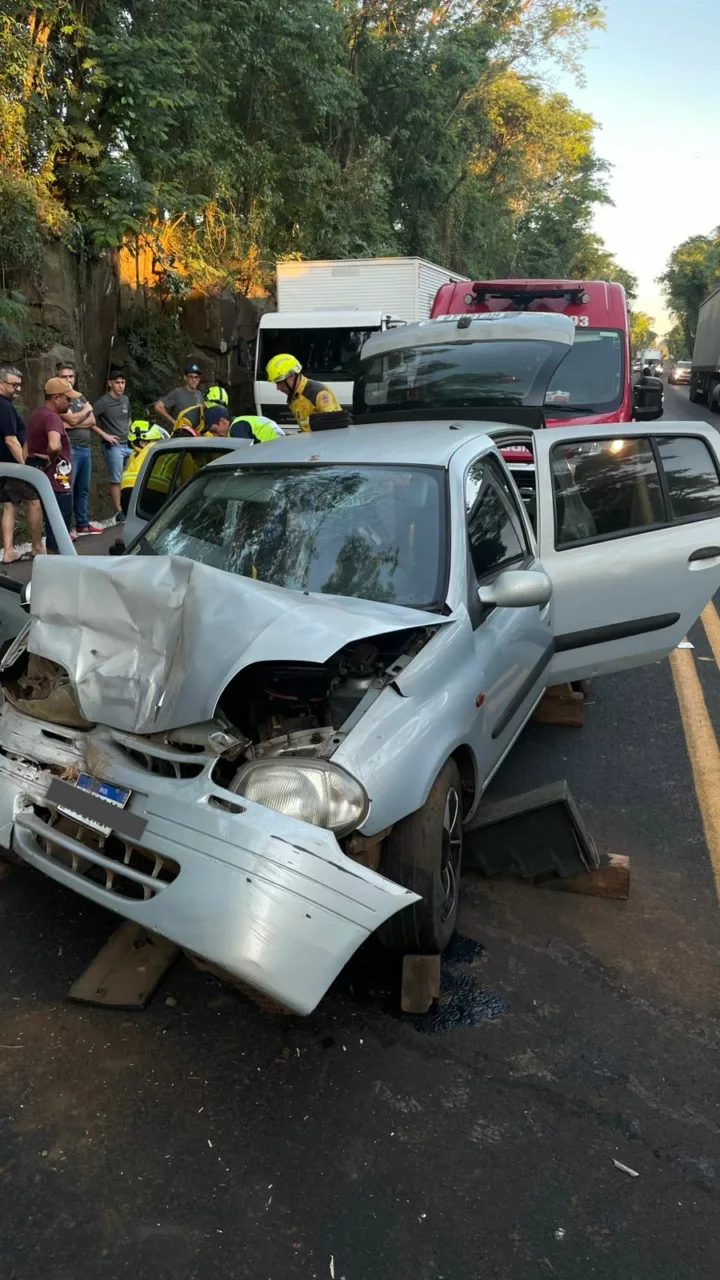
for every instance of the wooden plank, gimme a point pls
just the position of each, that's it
(610, 880)
(561, 705)
(126, 972)
(420, 983)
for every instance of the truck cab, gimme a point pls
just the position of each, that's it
(593, 385)
(327, 343)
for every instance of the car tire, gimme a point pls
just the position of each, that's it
(712, 399)
(424, 853)
(693, 395)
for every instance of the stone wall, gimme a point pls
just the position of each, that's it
(79, 308)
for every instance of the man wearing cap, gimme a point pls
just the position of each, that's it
(172, 405)
(48, 446)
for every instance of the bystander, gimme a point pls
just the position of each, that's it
(14, 492)
(79, 424)
(48, 443)
(112, 414)
(182, 397)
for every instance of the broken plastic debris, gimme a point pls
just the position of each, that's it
(625, 1168)
(559, 1233)
(332, 1267)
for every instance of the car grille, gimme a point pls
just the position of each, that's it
(118, 867)
(164, 762)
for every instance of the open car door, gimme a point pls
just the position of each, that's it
(629, 532)
(166, 468)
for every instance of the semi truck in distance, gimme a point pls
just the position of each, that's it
(705, 370)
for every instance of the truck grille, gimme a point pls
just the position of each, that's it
(121, 869)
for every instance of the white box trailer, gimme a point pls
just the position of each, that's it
(327, 310)
(705, 371)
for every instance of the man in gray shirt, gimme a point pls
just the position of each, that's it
(112, 413)
(180, 397)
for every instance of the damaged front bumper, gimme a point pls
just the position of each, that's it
(271, 900)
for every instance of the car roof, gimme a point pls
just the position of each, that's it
(427, 444)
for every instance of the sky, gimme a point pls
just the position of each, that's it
(651, 87)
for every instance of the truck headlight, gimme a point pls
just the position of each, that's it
(311, 790)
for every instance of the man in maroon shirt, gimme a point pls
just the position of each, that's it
(48, 446)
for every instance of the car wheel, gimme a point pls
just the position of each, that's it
(711, 398)
(693, 395)
(424, 853)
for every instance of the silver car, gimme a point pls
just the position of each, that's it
(680, 372)
(261, 732)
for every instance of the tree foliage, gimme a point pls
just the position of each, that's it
(228, 133)
(642, 334)
(692, 271)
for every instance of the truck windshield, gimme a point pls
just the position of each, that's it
(372, 533)
(330, 354)
(458, 375)
(591, 377)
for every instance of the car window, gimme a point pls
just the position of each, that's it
(691, 475)
(495, 529)
(605, 488)
(169, 470)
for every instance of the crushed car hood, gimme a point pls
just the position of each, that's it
(150, 643)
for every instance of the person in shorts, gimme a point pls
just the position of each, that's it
(12, 449)
(48, 447)
(112, 414)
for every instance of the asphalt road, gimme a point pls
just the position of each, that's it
(206, 1139)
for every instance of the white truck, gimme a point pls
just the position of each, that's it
(705, 371)
(653, 360)
(327, 310)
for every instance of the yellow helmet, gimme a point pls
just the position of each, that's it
(216, 395)
(280, 366)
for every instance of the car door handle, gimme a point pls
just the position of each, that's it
(700, 559)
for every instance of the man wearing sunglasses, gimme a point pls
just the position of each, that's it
(15, 492)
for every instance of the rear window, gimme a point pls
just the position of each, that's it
(605, 488)
(608, 488)
(691, 475)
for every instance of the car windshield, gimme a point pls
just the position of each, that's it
(684, 364)
(590, 378)
(369, 532)
(323, 353)
(457, 375)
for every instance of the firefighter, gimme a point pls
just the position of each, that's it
(254, 427)
(305, 397)
(215, 397)
(141, 437)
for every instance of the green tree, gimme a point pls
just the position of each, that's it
(693, 269)
(642, 334)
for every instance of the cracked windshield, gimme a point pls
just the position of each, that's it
(373, 533)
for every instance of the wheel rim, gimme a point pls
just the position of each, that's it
(451, 852)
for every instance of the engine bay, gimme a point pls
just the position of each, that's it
(303, 708)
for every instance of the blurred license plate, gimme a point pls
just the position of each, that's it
(117, 796)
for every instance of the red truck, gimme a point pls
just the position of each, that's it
(594, 382)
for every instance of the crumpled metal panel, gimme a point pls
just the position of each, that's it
(150, 642)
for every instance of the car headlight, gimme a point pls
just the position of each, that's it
(311, 790)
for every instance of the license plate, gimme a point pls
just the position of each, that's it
(117, 796)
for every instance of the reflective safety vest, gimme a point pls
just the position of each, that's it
(193, 416)
(311, 397)
(251, 426)
(134, 463)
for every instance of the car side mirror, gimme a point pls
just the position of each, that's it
(517, 589)
(648, 397)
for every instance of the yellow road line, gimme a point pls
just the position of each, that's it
(711, 623)
(701, 744)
